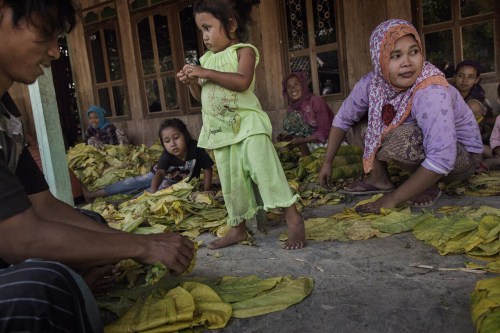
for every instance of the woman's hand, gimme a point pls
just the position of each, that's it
(325, 176)
(296, 141)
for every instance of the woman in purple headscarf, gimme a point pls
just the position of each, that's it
(468, 83)
(405, 112)
(308, 119)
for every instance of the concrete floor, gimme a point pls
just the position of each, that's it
(360, 286)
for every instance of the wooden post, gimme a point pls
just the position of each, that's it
(50, 139)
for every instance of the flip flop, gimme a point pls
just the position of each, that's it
(481, 168)
(432, 191)
(370, 189)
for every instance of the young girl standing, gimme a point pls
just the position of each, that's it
(405, 111)
(234, 125)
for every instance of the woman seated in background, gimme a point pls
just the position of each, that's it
(308, 119)
(467, 81)
(100, 131)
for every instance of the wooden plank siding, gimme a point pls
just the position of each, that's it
(267, 33)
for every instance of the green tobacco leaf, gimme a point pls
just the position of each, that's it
(322, 229)
(439, 231)
(397, 222)
(286, 293)
(119, 308)
(489, 226)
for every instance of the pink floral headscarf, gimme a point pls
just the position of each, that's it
(383, 94)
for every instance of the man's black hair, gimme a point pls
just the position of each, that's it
(57, 16)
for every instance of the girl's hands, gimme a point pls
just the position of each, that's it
(184, 78)
(194, 72)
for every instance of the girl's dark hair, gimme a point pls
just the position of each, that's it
(498, 91)
(57, 16)
(223, 10)
(177, 123)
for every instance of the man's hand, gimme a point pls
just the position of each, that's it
(173, 250)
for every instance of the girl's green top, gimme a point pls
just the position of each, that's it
(229, 116)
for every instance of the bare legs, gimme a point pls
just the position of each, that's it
(296, 232)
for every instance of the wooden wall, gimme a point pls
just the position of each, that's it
(360, 18)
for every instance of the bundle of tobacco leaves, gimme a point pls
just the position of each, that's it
(97, 168)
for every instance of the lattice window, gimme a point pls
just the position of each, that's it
(313, 44)
(456, 30)
(166, 38)
(107, 70)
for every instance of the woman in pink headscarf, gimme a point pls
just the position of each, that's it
(308, 119)
(405, 112)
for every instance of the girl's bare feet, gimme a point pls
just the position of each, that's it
(296, 229)
(235, 235)
(90, 196)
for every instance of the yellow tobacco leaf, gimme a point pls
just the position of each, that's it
(281, 144)
(214, 312)
(237, 289)
(192, 233)
(362, 230)
(462, 244)
(286, 293)
(158, 309)
(201, 198)
(485, 304)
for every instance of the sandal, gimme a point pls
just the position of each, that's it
(481, 168)
(430, 191)
(369, 189)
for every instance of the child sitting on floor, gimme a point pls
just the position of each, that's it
(308, 119)
(101, 132)
(234, 124)
(181, 158)
(468, 83)
(406, 112)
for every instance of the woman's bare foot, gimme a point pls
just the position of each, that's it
(235, 235)
(296, 229)
(491, 162)
(426, 198)
(383, 184)
(100, 279)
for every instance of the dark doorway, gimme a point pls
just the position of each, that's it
(66, 96)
